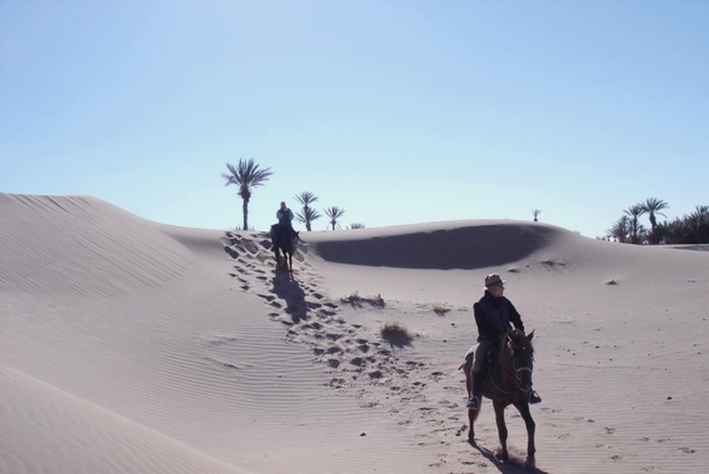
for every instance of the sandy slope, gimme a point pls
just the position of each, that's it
(48, 430)
(147, 323)
(129, 346)
(621, 337)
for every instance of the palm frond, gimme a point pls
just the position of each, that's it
(306, 198)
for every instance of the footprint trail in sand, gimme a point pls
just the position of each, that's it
(360, 363)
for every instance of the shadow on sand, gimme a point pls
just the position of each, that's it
(515, 465)
(288, 289)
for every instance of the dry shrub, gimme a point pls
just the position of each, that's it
(396, 334)
(357, 301)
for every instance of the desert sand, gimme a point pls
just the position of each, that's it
(129, 346)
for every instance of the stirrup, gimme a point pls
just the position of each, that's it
(473, 403)
(533, 397)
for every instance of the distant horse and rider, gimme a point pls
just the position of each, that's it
(284, 238)
(283, 242)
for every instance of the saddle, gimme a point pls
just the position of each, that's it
(277, 229)
(490, 360)
(488, 363)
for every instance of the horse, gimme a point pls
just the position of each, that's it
(283, 242)
(507, 382)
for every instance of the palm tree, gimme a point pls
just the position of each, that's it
(620, 230)
(535, 213)
(356, 225)
(697, 225)
(635, 228)
(690, 229)
(653, 206)
(246, 175)
(334, 213)
(309, 214)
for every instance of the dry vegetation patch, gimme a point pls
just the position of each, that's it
(396, 334)
(358, 301)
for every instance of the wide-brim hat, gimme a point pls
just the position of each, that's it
(493, 280)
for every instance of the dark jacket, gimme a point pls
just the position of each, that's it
(495, 316)
(284, 216)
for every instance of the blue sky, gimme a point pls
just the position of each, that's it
(397, 111)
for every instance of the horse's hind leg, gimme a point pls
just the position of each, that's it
(472, 414)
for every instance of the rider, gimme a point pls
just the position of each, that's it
(494, 315)
(285, 216)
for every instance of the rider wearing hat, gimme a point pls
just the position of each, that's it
(494, 316)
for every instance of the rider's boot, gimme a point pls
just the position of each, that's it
(474, 400)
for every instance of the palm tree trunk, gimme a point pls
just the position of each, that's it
(245, 210)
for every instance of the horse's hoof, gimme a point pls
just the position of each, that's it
(502, 456)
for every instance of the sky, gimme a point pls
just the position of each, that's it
(399, 112)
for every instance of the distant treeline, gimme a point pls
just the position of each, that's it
(689, 229)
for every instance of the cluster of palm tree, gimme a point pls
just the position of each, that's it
(247, 175)
(692, 228)
(308, 214)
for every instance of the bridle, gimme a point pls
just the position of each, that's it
(517, 376)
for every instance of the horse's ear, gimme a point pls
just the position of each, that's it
(531, 334)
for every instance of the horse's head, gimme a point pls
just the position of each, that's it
(521, 352)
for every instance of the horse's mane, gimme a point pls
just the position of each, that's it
(520, 339)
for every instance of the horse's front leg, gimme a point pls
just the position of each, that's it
(501, 453)
(523, 408)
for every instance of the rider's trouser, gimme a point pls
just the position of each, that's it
(481, 350)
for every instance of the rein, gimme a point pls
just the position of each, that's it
(517, 371)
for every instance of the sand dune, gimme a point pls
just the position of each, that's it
(441, 245)
(131, 346)
(47, 430)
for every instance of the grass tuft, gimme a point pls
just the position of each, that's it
(357, 301)
(440, 310)
(396, 334)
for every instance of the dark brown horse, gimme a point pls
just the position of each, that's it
(508, 382)
(283, 241)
